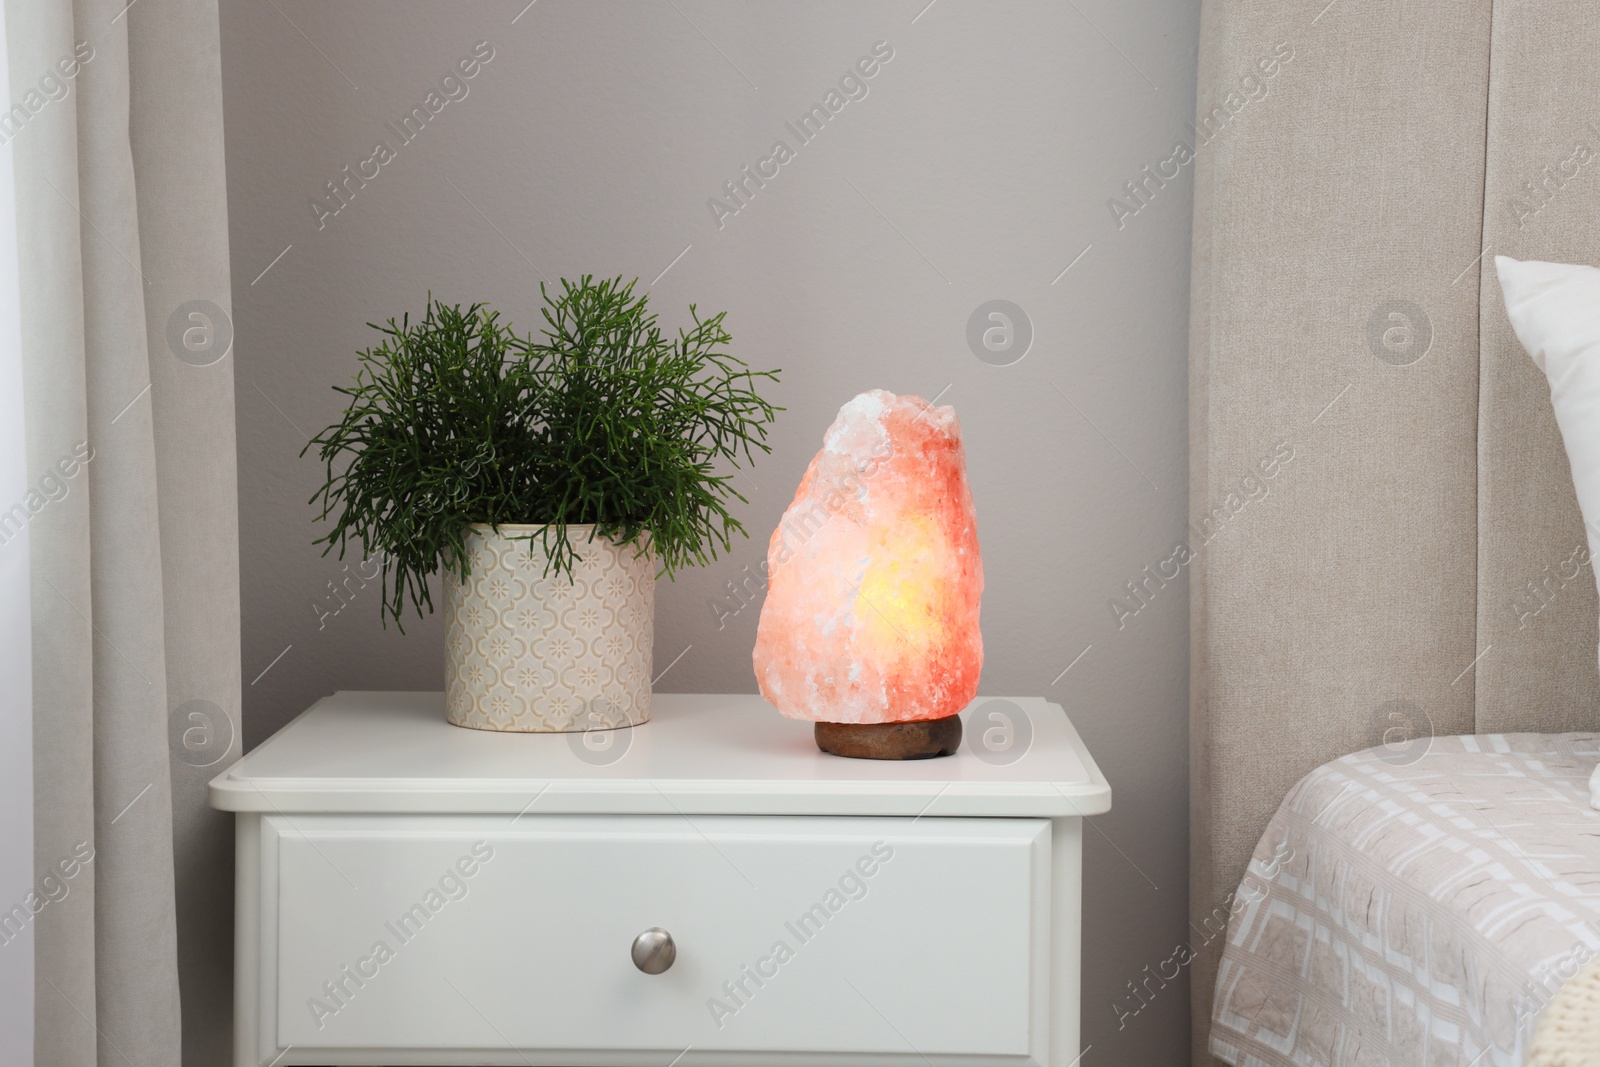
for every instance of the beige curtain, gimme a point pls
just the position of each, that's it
(116, 127)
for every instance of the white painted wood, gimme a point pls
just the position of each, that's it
(709, 754)
(720, 823)
(777, 930)
(1066, 951)
(248, 959)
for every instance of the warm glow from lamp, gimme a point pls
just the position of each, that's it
(874, 574)
(904, 613)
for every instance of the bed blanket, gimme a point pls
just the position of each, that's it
(1415, 906)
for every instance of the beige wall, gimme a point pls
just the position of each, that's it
(977, 167)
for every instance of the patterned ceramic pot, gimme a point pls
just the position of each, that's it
(539, 653)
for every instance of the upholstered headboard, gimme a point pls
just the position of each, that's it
(1348, 207)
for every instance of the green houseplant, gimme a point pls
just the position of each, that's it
(549, 479)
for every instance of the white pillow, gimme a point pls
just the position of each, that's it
(1555, 311)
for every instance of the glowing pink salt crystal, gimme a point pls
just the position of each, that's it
(871, 612)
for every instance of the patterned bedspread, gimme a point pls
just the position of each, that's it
(1415, 912)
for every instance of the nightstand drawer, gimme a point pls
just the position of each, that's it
(508, 939)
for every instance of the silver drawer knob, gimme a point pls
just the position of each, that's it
(654, 951)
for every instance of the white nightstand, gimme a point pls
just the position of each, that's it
(410, 892)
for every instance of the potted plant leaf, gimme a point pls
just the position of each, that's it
(551, 480)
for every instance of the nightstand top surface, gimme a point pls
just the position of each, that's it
(699, 754)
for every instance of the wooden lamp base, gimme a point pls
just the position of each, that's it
(924, 739)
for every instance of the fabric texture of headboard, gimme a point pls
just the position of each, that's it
(1409, 571)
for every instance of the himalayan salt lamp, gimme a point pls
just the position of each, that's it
(870, 625)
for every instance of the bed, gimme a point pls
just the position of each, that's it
(1419, 552)
(1405, 908)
